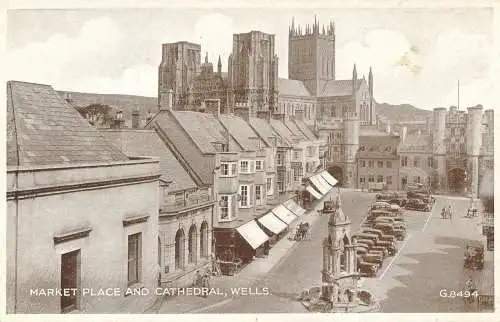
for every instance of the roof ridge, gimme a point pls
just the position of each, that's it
(13, 81)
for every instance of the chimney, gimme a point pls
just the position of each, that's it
(265, 115)
(299, 115)
(149, 117)
(279, 117)
(68, 98)
(242, 110)
(135, 119)
(212, 106)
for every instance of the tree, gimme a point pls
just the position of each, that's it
(97, 114)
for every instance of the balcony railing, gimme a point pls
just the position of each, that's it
(195, 199)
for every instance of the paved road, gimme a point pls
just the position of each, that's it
(300, 269)
(430, 259)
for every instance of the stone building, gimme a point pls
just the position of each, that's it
(454, 153)
(185, 210)
(81, 215)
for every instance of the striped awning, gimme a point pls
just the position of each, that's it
(329, 178)
(252, 233)
(319, 185)
(284, 214)
(294, 207)
(271, 222)
(313, 192)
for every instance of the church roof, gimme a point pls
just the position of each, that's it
(341, 87)
(292, 87)
(148, 143)
(372, 130)
(43, 129)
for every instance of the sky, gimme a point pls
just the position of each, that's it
(417, 55)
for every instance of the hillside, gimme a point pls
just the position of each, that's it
(402, 112)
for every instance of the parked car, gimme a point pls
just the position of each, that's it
(380, 205)
(374, 214)
(376, 186)
(367, 269)
(373, 258)
(391, 247)
(417, 204)
(387, 196)
(389, 229)
(397, 201)
(368, 243)
(379, 233)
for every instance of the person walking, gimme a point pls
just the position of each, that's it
(450, 212)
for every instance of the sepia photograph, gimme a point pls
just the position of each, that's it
(217, 160)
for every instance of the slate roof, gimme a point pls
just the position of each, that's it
(282, 131)
(43, 129)
(297, 133)
(264, 129)
(341, 87)
(190, 156)
(118, 102)
(292, 87)
(241, 132)
(416, 140)
(148, 143)
(203, 128)
(306, 130)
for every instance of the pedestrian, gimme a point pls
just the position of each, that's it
(197, 279)
(450, 212)
(443, 213)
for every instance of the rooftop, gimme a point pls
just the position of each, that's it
(204, 129)
(43, 129)
(292, 87)
(416, 140)
(306, 130)
(341, 87)
(148, 143)
(242, 132)
(372, 130)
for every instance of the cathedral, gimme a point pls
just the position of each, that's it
(332, 108)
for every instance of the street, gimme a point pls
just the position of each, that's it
(429, 260)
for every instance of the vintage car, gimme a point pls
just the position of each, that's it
(474, 255)
(389, 229)
(367, 269)
(380, 212)
(395, 221)
(391, 247)
(417, 204)
(373, 258)
(388, 196)
(396, 209)
(380, 249)
(379, 233)
(380, 205)
(366, 242)
(397, 201)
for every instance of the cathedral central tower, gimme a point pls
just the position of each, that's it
(311, 55)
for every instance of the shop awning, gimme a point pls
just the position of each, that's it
(292, 206)
(284, 214)
(329, 178)
(313, 192)
(271, 222)
(319, 185)
(324, 182)
(252, 233)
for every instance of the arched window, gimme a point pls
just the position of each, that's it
(179, 249)
(192, 244)
(204, 240)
